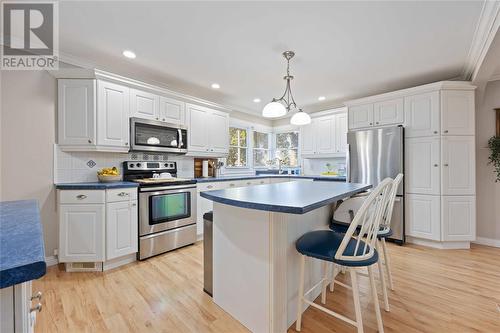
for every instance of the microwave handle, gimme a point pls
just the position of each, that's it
(179, 141)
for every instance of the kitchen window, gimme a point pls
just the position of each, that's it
(238, 147)
(261, 149)
(287, 148)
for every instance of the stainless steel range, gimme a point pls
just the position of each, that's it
(167, 206)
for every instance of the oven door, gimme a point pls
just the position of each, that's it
(151, 135)
(165, 208)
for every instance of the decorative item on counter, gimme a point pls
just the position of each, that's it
(109, 175)
(198, 167)
(204, 172)
(216, 166)
(330, 171)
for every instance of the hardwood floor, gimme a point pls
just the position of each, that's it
(436, 291)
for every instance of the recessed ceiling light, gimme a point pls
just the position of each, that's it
(129, 54)
(321, 98)
(215, 86)
(256, 100)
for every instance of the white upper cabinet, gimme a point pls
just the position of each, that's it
(113, 115)
(459, 165)
(458, 218)
(422, 115)
(143, 104)
(325, 136)
(423, 216)
(360, 116)
(390, 112)
(76, 112)
(208, 131)
(341, 133)
(457, 112)
(218, 132)
(325, 132)
(172, 111)
(422, 165)
(307, 133)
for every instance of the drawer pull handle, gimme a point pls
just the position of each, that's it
(122, 194)
(133, 205)
(249, 183)
(38, 308)
(446, 131)
(231, 185)
(435, 132)
(81, 196)
(435, 165)
(446, 164)
(38, 296)
(209, 186)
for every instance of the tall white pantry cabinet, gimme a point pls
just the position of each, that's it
(440, 172)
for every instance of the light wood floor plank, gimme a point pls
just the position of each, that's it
(436, 291)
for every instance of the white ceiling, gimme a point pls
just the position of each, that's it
(344, 49)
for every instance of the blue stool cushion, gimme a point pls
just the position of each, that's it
(323, 244)
(339, 226)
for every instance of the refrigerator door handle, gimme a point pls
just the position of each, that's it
(348, 163)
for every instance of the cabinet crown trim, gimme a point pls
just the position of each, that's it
(442, 85)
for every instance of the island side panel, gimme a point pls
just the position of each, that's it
(287, 228)
(241, 265)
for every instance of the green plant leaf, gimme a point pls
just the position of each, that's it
(494, 158)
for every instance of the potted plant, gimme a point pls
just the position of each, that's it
(494, 158)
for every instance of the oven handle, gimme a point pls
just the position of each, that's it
(179, 139)
(161, 188)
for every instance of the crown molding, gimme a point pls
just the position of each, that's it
(486, 29)
(494, 77)
(442, 85)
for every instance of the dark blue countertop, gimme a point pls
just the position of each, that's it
(229, 178)
(94, 185)
(290, 197)
(22, 253)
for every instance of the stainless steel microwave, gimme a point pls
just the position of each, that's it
(157, 136)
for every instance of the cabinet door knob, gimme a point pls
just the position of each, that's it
(133, 205)
(212, 149)
(126, 143)
(163, 119)
(376, 123)
(446, 131)
(446, 164)
(38, 308)
(231, 185)
(435, 132)
(209, 186)
(371, 124)
(435, 165)
(38, 296)
(90, 141)
(249, 183)
(157, 118)
(81, 196)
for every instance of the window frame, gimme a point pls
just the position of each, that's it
(269, 149)
(248, 165)
(287, 129)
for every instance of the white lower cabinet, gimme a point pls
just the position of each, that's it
(18, 308)
(96, 226)
(121, 228)
(423, 218)
(81, 232)
(458, 218)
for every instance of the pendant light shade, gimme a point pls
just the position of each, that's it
(300, 118)
(274, 110)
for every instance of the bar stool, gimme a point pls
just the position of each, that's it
(348, 250)
(343, 216)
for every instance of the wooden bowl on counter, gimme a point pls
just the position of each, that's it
(109, 178)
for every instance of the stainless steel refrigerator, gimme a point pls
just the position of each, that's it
(373, 155)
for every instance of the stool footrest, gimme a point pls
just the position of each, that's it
(332, 313)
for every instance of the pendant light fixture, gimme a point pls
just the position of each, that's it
(279, 107)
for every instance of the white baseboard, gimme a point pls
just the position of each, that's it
(51, 261)
(487, 241)
(438, 245)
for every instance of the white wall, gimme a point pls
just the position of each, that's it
(488, 192)
(27, 137)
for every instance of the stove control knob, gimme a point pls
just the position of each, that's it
(166, 165)
(131, 165)
(138, 165)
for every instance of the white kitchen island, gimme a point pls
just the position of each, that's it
(255, 264)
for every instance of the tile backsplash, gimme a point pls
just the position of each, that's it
(70, 167)
(317, 166)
